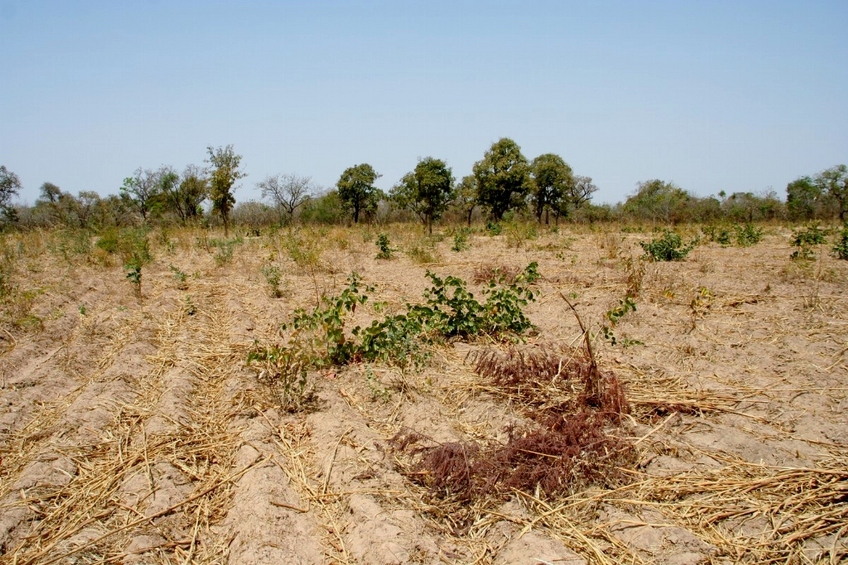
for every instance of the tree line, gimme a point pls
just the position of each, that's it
(504, 182)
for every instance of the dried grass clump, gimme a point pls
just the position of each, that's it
(495, 273)
(524, 371)
(566, 453)
(539, 376)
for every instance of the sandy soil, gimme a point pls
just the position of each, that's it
(133, 431)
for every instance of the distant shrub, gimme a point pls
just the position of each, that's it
(460, 240)
(718, 234)
(805, 239)
(669, 247)
(747, 235)
(840, 250)
(384, 246)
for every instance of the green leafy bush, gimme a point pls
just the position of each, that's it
(134, 248)
(747, 235)
(449, 310)
(460, 240)
(133, 274)
(805, 239)
(840, 250)
(811, 235)
(718, 234)
(130, 244)
(320, 333)
(273, 277)
(744, 235)
(384, 246)
(224, 254)
(669, 247)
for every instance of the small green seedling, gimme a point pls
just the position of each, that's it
(385, 247)
(460, 240)
(273, 277)
(179, 276)
(840, 250)
(133, 274)
(614, 315)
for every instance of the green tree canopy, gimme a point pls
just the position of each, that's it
(192, 191)
(427, 190)
(834, 183)
(502, 178)
(465, 196)
(324, 208)
(50, 192)
(183, 194)
(10, 184)
(142, 191)
(658, 201)
(357, 191)
(224, 164)
(552, 183)
(802, 198)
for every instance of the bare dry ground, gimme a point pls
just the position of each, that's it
(133, 431)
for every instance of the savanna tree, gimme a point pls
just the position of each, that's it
(465, 196)
(551, 181)
(10, 184)
(50, 192)
(581, 191)
(357, 191)
(183, 194)
(803, 198)
(88, 209)
(657, 201)
(426, 191)
(502, 178)
(834, 183)
(224, 173)
(142, 191)
(288, 192)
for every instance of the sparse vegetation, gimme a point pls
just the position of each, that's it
(669, 247)
(806, 240)
(320, 339)
(274, 277)
(224, 249)
(747, 235)
(180, 277)
(840, 249)
(613, 316)
(531, 425)
(460, 240)
(384, 247)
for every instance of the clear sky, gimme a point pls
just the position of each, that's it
(712, 95)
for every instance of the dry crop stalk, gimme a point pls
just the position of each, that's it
(593, 376)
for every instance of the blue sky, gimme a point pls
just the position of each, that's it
(734, 96)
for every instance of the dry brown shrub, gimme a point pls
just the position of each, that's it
(522, 371)
(567, 452)
(537, 375)
(566, 447)
(495, 273)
